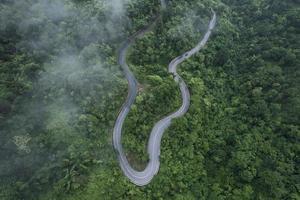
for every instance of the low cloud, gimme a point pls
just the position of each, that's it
(74, 46)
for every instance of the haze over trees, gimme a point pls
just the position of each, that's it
(61, 90)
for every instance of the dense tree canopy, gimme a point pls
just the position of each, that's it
(61, 90)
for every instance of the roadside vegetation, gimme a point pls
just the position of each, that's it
(61, 90)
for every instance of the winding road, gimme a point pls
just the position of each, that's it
(144, 177)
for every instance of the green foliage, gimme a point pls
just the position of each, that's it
(61, 90)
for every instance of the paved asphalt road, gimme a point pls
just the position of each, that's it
(144, 177)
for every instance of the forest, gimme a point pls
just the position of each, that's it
(61, 89)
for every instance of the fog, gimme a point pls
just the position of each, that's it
(77, 64)
(190, 26)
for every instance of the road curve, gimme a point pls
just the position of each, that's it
(144, 177)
